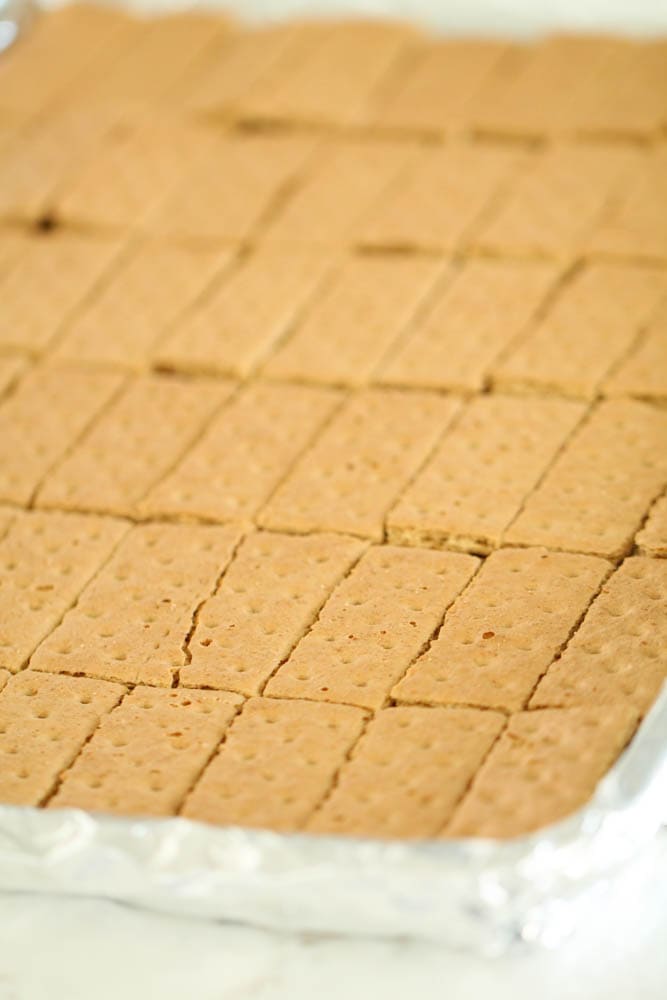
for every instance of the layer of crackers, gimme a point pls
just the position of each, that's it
(333, 420)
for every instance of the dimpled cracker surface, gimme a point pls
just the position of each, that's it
(355, 320)
(636, 225)
(545, 765)
(133, 621)
(594, 496)
(351, 475)
(585, 333)
(643, 372)
(333, 424)
(373, 626)
(132, 445)
(347, 179)
(407, 772)
(46, 560)
(65, 269)
(482, 308)
(244, 454)
(243, 318)
(44, 722)
(556, 202)
(470, 491)
(504, 631)
(44, 417)
(244, 176)
(137, 305)
(432, 91)
(439, 199)
(148, 752)
(130, 171)
(276, 765)
(267, 600)
(652, 539)
(618, 654)
(332, 79)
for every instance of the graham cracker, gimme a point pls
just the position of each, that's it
(47, 560)
(431, 92)
(355, 320)
(333, 78)
(530, 100)
(40, 157)
(235, 327)
(42, 419)
(627, 98)
(557, 202)
(57, 50)
(643, 373)
(132, 622)
(440, 200)
(161, 56)
(347, 179)
(407, 773)
(259, 169)
(357, 467)
(469, 492)
(44, 722)
(617, 655)
(483, 308)
(373, 626)
(131, 170)
(585, 333)
(635, 226)
(148, 752)
(12, 367)
(147, 293)
(652, 539)
(4, 677)
(276, 764)
(65, 268)
(594, 496)
(233, 64)
(544, 766)
(505, 630)
(7, 515)
(133, 444)
(268, 598)
(244, 454)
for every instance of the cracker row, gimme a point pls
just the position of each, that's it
(44, 722)
(374, 625)
(596, 494)
(589, 329)
(276, 764)
(478, 479)
(46, 561)
(132, 622)
(234, 467)
(354, 471)
(618, 653)
(643, 373)
(268, 598)
(148, 752)
(505, 630)
(652, 539)
(407, 772)
(545, 765)
(133, 444)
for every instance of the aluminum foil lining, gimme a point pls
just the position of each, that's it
(482, 894)
(476, 893)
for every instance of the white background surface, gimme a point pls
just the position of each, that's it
(67, 949)
(55, 949)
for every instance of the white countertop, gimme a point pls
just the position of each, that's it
(76, 949)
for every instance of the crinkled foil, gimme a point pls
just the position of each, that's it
(475, 893)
